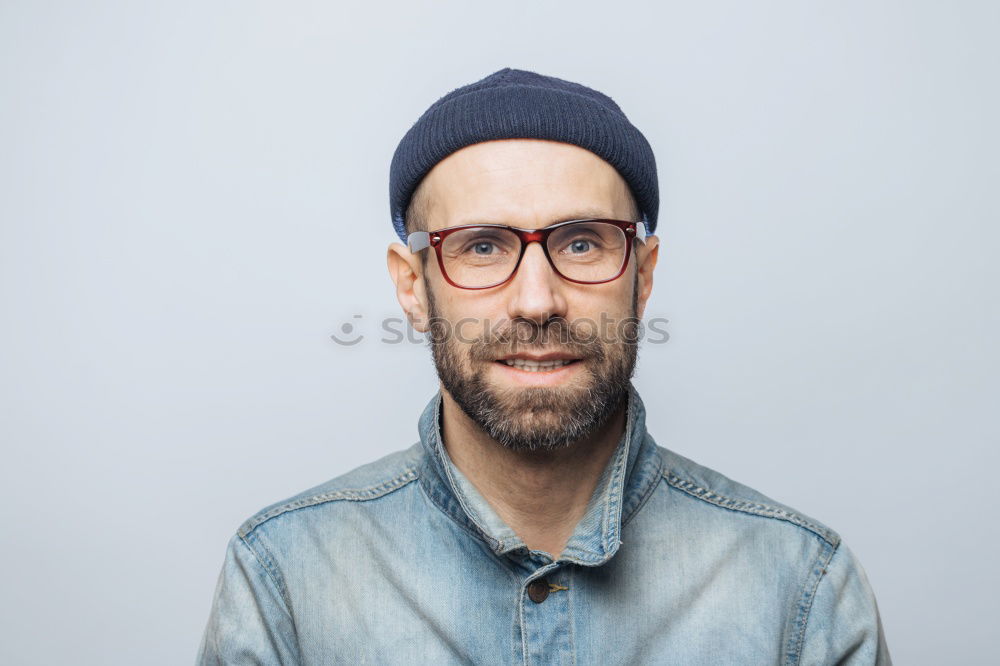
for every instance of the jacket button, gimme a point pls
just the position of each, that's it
(538, 590)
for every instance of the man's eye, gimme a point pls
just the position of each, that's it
(483, 248)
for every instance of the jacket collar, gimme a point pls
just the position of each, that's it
(631, 474)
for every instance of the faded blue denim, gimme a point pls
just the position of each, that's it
(403, 562)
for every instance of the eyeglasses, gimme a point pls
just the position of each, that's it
(481, 256)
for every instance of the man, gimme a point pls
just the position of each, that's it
(536, 521)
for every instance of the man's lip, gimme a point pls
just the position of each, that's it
(551, 356)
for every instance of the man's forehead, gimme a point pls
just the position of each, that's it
(523, 182)
(517, 154)
(591, 212)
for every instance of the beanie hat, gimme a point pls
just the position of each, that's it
(515, 104)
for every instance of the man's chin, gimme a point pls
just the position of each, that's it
(531, 429)
(533, 418)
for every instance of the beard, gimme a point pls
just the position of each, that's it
(537, 418)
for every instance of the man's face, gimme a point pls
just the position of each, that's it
(538, 362)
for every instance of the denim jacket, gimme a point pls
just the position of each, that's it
(402, 561)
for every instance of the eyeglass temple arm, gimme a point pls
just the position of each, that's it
(418, 240)
(640, 231)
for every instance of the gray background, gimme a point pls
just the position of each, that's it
(179, 183)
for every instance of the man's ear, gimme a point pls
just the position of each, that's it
(406, 271)
(646, 255)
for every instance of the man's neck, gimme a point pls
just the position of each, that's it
(541, 495)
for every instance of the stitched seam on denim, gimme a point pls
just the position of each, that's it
(504, 562)
(752, 508)
(649, 492)
(583, 557)
(806, 602)
(614, 499)
(507, 565)
(496, 546)
(267, 564)
(353, 495)
(540, 572)
(464, 528)
(612, 512)
(470, 513)
(522, 591)
(279, 582)
(571, 579)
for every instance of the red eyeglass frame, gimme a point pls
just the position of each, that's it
(421, 240)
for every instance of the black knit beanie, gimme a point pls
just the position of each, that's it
(515, 104)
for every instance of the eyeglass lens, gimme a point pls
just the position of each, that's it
(583, 251)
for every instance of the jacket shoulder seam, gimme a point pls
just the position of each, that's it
(346, 494)
(266, 562)
(804, 609)
(752, 508)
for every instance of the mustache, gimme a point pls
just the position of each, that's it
(523, 336)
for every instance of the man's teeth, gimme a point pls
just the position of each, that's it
(535, 366)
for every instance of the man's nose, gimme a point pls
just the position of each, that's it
(537, 290)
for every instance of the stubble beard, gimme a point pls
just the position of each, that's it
(537, 418)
